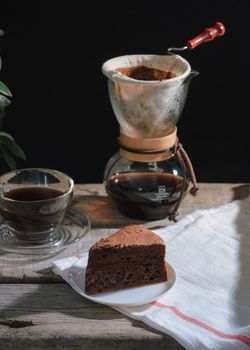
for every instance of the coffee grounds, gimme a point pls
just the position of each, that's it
(146, 73)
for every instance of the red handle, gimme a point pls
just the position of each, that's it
(209, 34)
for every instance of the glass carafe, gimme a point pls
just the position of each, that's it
(147, 190)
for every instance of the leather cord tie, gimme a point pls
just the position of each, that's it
(183, 160)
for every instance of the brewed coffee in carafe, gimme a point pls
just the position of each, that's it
(150, 174)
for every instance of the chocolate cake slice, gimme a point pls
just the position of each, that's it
(134, 256)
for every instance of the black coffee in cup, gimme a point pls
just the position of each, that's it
(33, 209)
(32, 193)
(32, 203)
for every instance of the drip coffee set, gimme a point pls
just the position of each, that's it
(146, 179)
(150, 175)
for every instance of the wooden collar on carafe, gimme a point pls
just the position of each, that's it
(147, 150)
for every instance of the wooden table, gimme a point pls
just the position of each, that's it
(39, 311)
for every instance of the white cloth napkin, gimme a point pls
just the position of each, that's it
(209, 306)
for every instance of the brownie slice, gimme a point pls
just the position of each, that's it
(131, 257)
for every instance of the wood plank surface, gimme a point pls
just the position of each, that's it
(39, 311)
(104, 220)
(53, 316)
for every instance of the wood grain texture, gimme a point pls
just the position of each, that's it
(39, 311)
(59, 318)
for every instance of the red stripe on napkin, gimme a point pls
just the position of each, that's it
(243, 338)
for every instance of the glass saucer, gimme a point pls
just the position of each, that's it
(73, 228)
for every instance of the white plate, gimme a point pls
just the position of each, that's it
(125, 297)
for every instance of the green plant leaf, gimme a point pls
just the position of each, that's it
(6, 134)
(4, 89)
(4, 101)
(12, 147)
(8, 157)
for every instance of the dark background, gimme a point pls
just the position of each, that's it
(61, 114)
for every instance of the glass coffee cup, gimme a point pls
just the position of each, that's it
(33, 203)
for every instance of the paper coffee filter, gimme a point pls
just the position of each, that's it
(147, 109)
